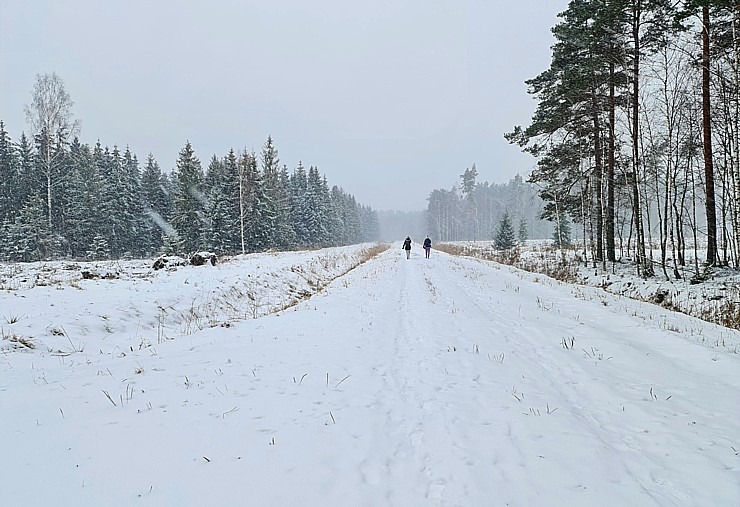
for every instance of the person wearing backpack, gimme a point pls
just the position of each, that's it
(427, 246)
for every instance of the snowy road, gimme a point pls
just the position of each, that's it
(416, 382)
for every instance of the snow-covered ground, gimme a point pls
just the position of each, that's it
(447, 381)
(714, 296)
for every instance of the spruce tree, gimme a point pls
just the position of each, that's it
(231, 196)
(340, 208)
(352, 221)
(98, 249)
(30, 234)
(254, 230)
(171, 243)
(288, 235)
(333, 221)
(523, 231)
(275, 206)
(222, 189)
(317, 213)
(189, 203)
(113, 214)
(505, 239)
(299, 210)
(26, 158)
(214, 238)
(370, 225)
(6, 243)
(84, 200)
(9, 178)
(156, 205)
(132, 206)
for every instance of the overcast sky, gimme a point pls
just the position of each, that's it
(389, 98)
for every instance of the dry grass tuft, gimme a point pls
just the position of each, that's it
(19, 341)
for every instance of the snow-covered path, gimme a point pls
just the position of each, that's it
(445, 381)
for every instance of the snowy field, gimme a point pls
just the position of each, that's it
(448, 381)
(716, 298)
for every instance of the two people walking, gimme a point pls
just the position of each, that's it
(407, 246)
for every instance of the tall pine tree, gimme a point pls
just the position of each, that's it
(188, 216)
(156, 205)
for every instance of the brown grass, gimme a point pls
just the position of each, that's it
(564, 272)
(373, 252)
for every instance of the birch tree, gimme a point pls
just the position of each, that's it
(50, 117)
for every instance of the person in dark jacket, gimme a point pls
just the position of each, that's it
(407, 246)
(427, 246)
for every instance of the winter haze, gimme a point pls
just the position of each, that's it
(389, 99)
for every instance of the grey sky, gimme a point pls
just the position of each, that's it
(389, 98)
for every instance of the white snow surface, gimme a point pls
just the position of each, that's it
(441, 381)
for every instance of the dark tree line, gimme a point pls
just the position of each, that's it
(60, 198)
(473, 211)
(636, 130)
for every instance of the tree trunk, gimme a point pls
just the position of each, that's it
(665, 220)
(707, 138)
(735, 169)
(598, 178)
(610, 254)
(643, 267)
(47, 162)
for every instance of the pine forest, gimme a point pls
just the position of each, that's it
(635, 131)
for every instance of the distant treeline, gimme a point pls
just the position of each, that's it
(61, 199)
(473, 211)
